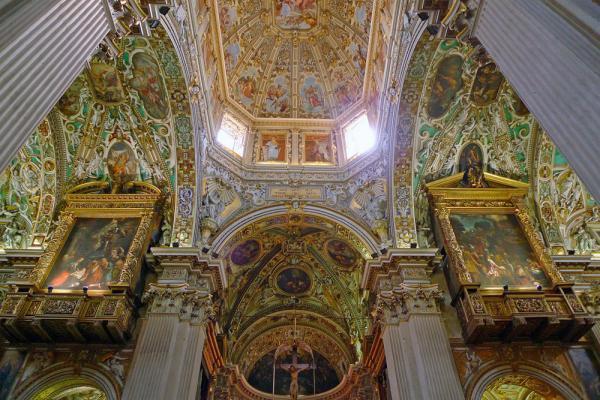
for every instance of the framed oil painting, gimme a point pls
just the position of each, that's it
(293, 281)
(317, 149)
(497, 259)
(99, 241)
(94, 254)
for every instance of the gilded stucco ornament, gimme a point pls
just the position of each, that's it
(190, 304)
(402, 301)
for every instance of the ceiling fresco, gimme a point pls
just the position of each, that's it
(457, 102)
(294, 267)
(123, 119)
(294, 59)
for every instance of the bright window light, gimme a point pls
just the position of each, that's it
(232, 135)
(359, 137)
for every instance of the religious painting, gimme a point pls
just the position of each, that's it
(69, 102)
(296, 14)
(471, 164)
(293, 281)
(277, 99)
(272, 147)
(94, 253)
(247, 85)
(261, 375)
(493, 259)
(317, 148)
(446, 84)
(486, 85)
(359, 56)
(147, 80)
(106, 83)
(10, 365)
(587, 366)
(344, 89)
(232, 55)
(246, 252)
(227, 17)
(122, 164)
(341, 253)
(311, 94)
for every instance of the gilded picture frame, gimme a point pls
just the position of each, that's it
(502, 201)
(119, 227)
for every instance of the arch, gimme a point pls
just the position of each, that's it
(478, 386)
(87, 376)
(367, 239)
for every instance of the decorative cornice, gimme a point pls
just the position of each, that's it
(403, 265)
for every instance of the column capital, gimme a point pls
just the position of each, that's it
(399, 303)
(190, 304)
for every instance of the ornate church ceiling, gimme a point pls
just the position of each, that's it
(294, 58)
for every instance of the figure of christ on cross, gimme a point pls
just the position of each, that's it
(294, 370)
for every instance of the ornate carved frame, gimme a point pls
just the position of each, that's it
(505, 196)
(86, 205)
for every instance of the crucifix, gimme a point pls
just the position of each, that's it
(294, 370)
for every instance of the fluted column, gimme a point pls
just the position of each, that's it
(417, 351)
(550, 52)
(168, 353)
(44, 45)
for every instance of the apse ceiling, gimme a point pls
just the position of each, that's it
(303, 59)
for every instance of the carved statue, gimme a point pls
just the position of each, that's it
(217, 197)
(585, 243)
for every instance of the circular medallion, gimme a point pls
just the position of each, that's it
(341, 253)
(293, 281)
(246, 252)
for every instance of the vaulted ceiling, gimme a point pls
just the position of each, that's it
(294, 58)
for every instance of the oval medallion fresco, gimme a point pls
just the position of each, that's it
(486, 85)
(148, 82)
(106, 83)
(293, 281)
(245, 252)
(447, 83)
(341, 253)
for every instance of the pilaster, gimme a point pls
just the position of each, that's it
(417, 350)
(169, 350)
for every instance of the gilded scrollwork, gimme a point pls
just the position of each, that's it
(398, 304)
(454, 250)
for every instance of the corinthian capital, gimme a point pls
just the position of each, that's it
(190, 304)
(398, 304)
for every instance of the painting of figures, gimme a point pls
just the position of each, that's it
(497, 260)
(296, 14)
(317, 148)
(312, 96)
(94, 253)
(247, 86)
(486, 85)
(293, 281)
(148, 82)
(446, 84)
(272, 148)
(106, 83)
(278, 99)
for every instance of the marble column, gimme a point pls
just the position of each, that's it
(168, 353)
(549, 51)
(417, 351)
(44, 45)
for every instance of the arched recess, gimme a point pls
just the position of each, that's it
(39, 387)
(476, 389)
(294, 272)
(362, 234)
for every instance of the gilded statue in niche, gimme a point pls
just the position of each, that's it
(122, 165)
(471, 164)
(446, 84)
(94, 253)
(486, 84)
